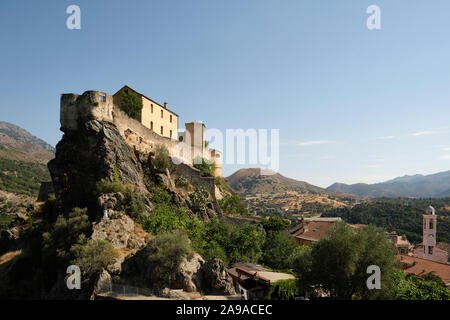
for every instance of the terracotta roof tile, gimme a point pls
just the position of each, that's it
(420, 267)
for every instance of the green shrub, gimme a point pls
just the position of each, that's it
(205, 166)
(199, 200)
(66, 232)
(164, 254)
(161, 160)
(131, 104)
(105, 186)
(283, 290)
(233, 205)
(223, 185)
(92, 256)
(133, 204)
(161, 195)
(182, 182)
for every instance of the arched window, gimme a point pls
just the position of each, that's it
(151, 125)
(431, 224)
(171, 134)
(151, 107)
(162, 114)
(162, 130)
(170, 118)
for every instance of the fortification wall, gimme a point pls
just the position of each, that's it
(91, 105)
(95, 105)
(136, 134)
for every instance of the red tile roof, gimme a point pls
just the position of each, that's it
(315, 230)
(420, 267)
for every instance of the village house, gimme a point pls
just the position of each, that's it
(308, 230)
(253, 281)
(400, 242)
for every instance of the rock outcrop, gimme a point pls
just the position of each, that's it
(187, 276)
(83, 157)
(216, 279)
(125, 236)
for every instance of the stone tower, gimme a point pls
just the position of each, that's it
(429, 250)
(429, 233)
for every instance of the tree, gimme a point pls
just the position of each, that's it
(66, 232)
(340, 260)
(428, 287)
(131, 104)
(162, 158)
(275, 224)
(92, 256)
(233, 205)
(301, 263)
(277, 248)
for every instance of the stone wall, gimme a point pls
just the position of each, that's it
(194, 177)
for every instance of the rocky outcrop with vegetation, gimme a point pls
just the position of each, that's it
(109, 216)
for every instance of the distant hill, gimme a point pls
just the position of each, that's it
(247, 181)
(417, 186)
(23, 160)
(276, 194)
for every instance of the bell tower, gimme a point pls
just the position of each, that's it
(429, 233)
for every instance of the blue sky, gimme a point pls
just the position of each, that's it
(352, 105)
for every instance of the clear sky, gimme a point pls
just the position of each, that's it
(352, 104)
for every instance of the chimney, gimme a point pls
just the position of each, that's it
(165, 105)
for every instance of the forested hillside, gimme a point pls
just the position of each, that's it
(401, 215)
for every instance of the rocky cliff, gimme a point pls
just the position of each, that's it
(93, 150)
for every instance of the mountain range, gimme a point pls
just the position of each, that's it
(250, 181)
(418, 186)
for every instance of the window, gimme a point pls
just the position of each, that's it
(170, 118)
(161, 114)
(102, 98)
(430, 250)
(151, 125)
(151, 107)
(431, 224)
(162, 130)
